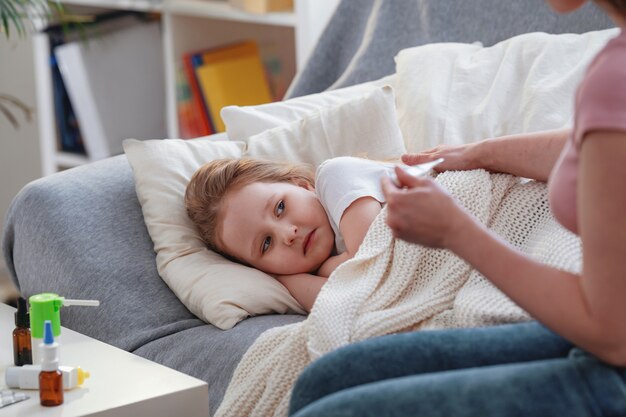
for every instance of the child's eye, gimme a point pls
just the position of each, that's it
(266, 244)
(280, 207)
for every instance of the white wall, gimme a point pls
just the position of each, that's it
(19, 149)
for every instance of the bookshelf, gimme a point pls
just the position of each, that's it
(186, 25)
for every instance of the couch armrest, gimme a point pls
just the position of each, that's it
(80, 233)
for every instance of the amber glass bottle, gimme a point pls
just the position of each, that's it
(51, 388)
(22, 351)
(50, 378)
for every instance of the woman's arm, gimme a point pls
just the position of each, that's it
(589, 309)
(528, 155)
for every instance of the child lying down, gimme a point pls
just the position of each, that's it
(281, 219)
(392, 286)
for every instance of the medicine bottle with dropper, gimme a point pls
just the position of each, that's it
(22, 352)
(50, 378)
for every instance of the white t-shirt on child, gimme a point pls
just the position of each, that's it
(340, 181)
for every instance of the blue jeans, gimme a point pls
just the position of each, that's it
(510, 370)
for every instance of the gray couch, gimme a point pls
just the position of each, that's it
(80, 233)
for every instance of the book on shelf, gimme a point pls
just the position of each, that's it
(191, 62)
(188, 124)
(115, 82)
(232, 75)
(68, 132)
(199, 111)
(262, 6)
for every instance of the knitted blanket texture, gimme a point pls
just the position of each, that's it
(392, 286)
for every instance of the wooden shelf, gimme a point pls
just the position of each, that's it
(215, 9)
(132, 5)
(70, 160)
(222, 10)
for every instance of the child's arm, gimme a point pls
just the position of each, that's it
(356, 221)
(331, 263)
(354, 224)
(303, 287)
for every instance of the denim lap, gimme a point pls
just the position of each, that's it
(520, 369)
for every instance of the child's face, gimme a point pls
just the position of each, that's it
(279, 228)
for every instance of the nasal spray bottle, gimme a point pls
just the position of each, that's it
(44, 307)
(50, 378)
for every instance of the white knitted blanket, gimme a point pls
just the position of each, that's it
(392, 286)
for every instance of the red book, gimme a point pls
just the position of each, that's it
(199, 111)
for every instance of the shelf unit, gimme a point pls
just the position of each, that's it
(187, 25)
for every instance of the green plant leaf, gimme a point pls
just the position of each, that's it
(10, 13)
(17, 12)
(5, 25)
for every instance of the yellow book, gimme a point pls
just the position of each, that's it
(230, 51)
(262, 6)
(232, 79)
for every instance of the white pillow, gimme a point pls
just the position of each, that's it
(217, 290)
(243, 122)
(365, 127)
(459, 93)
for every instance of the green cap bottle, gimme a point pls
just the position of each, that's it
(47, 306)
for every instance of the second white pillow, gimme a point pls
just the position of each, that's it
(366, 127)
(242, 122)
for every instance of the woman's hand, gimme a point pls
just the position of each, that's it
(528, 155)
(456, 157)
(420, 211)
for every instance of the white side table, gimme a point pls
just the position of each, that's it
(121, 384)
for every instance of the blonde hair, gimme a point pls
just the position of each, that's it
(210, 184)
